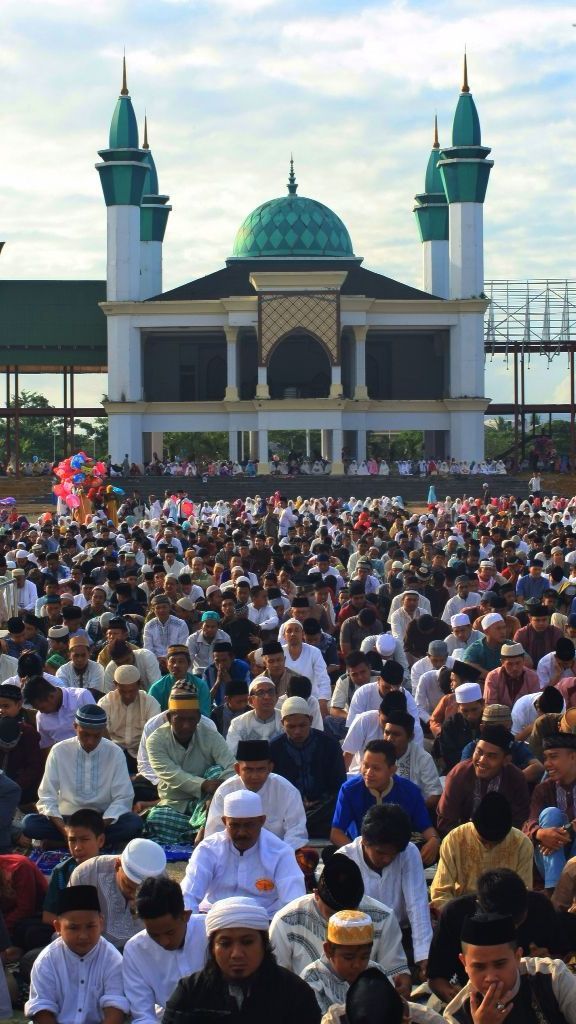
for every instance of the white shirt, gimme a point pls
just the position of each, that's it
(147, 664)
(264, 617)
(8, 667)
(456, 604)
(455, 644)
(150, 973)
(311, 664)
(249, 727)
(547, 668)
(268, 872)
(524, 713)
(92, 676)
(400, 620)
(428, 692)
(76, 989)
(364, 728)
(282, 803)
(367, 698)
(201, 650)
(402, 886)
(158, 637)
(27, 596)
(418, 766)
(298, 931)
(369, 644)
(423, 604)
(59, 725)
(74, 779)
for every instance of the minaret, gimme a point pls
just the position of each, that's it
(122, 176)
(153, 219)
(465, 172)
(432, 216)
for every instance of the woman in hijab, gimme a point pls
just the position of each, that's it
(241, 980)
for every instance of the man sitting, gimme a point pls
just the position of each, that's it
(117, 880)
(487, 841)
(392, 873)
(512, 680)
(178, 664)
(80, 672)
(87, 770)
(500, 979)
(244, 860)
(171, 945)
(235, 704)
(369, 696)
(551, 821)
(281, 801)
(56, 707)
(263, 721)
(128, 708)
(311, 761)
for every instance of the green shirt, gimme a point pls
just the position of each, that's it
(481, 654)
(162, 687)
(181, 770)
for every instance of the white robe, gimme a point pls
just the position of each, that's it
(151, 974)
(282, 803)
(76, 989)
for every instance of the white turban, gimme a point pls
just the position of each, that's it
(236, 912)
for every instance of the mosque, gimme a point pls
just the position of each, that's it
(293, 330)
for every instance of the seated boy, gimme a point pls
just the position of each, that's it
(349, 937)
(77, 979)
(85, 836)
(172, 946)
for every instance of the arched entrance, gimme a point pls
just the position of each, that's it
(299, 368)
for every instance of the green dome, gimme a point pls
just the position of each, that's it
(292, 227)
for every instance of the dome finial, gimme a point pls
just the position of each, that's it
(292, 183)
(465, 86)
(436, 144)
(145, 142)
(124, 89)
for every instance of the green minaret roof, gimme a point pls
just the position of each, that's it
(431, 208)
(154, 210)
(466, 126)
(124, 128)
(151, 187)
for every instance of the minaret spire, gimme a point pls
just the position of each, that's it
(145, 142)
(465, 86)
(436, 144)
(292, 183)
(124, 89)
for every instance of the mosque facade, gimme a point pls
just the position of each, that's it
(293, 331)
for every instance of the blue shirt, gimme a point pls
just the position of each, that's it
(532, 586)
(354, 799)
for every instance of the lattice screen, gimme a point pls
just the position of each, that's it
(281, 313)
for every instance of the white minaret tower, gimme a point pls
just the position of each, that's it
(431, 212)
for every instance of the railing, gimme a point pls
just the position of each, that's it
(8, 598)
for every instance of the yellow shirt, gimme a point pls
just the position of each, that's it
(464, 857)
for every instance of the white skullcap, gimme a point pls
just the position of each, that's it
(466, 693)
(459, 620)
(143, 859)
(293, 622)
(491, 619)
(295, 706)
(236, 912)
(243, 804)
(385, 645)
(126, 674)
(260, 679)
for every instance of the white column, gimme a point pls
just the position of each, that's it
(157, 443)
(325, 444)
(435, 268)
(124, 360)
(337, 464)
(262, 390)
(150, 269)
(360, 445)
(360, 389)
(231, 394)
(233, 445)
(123, 253)
(466, 436)
(308, 443)
(336, 382)
(263, 463)
(466, 248)
(253, 444)
(467, 356)
(125, 436)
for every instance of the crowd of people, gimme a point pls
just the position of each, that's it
(354, 725)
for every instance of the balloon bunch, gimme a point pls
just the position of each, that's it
(80, 475)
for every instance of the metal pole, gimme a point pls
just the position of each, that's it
(8, 424)
(522, 404)
(572, 415)
(72, 442)
(516, 437)
(64, 421)
(16, 423)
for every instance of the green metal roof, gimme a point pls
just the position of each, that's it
(466, 126)
(123, 127)
(47, 324)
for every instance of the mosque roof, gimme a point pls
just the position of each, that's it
(234, 279)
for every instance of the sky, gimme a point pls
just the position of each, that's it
(232, 87)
